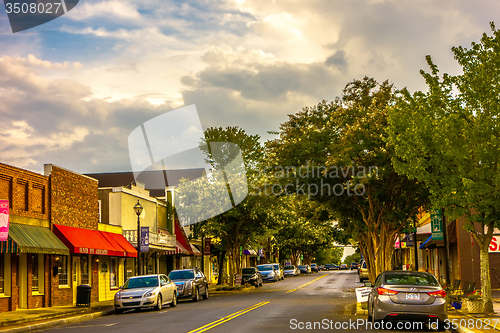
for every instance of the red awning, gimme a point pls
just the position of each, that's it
(86, 241)
(119, 241)
(179, 249)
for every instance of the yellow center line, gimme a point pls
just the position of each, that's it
(306, 284)
(227, 318)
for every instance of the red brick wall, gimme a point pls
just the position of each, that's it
(60, 296)
(27, 192)
(74, 199)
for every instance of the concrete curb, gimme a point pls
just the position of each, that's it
(57, 322)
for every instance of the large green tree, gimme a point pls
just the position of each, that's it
(248, 220)
(449, 138)
(337, 153)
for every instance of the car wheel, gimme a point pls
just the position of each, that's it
(196, 295)
(118, 311)
(159, 303)
(261, 284)
(205, 296)
(174, 300)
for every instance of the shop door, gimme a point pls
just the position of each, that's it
(77, 276)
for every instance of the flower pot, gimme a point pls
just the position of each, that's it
(475, 306)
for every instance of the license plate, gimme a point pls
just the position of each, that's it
(412, 296)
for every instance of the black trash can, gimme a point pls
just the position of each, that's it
(83, 295)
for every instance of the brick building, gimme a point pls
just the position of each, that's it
(27, 257)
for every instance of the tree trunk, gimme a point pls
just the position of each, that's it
(221, 258)
(485, 278)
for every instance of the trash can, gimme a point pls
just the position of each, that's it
(83, 295)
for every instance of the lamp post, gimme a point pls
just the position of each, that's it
(138, 210)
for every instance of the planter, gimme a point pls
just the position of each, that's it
(475, 306)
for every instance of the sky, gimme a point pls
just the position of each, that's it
(73, 90)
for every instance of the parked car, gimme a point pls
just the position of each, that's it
(343, 266)
(407, 295)
(251, 275)
(268, 272)
(363, 272)
(279, 269)
(191, 283)
(314, 268)
(321, 268)
(146, 291)
(291, 270)
(306, 269)
(360, 265)
(354, 265)
(329, 267)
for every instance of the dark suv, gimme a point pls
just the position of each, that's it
(354, 265)
(191, 283)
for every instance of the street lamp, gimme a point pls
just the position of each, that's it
(138, 210)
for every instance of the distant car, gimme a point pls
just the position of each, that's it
(363, 272)
(354, 265)
(146, 291)
(321, 268)
(279, 269)
(314, 268)
(343, 266)
(360, 264)
(191, 283)
(251, 275)
(306, 269)
(291, 270)
(329, 267)
(268, 272)
(407, 295)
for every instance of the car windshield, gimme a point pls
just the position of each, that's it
(181, 275)
(289, 267)
(313, 265)
(248, 271)
(141, 282)
(302, 266)
(409, 279)
(276, 266)
(265, 268)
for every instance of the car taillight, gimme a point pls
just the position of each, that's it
(438, 293)
(384, 291)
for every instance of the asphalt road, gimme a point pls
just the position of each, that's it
(324, 298)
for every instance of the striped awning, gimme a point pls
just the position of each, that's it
(32, 239)
(179, 249)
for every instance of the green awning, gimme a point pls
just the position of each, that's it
(31, 239)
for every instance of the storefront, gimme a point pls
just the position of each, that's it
(98, 258)
(25, 269)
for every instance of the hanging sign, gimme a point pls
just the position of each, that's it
(437, 225)
(144, 239)
(4, 220)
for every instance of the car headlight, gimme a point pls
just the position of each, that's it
(149, 294)
(117, 295)
(272, 273)
(189, 284)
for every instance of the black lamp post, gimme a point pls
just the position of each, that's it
(138, 210)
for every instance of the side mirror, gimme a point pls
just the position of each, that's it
(163, 284)
(368, 284)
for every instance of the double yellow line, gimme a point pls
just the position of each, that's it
(227, 318)
(305, 284)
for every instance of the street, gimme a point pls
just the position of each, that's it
(326, 298)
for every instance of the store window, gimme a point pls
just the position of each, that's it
(113, 270)
(34, 272)
(63, 271)
(84, 269)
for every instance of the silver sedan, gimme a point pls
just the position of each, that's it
(407, 296)
(146, 291)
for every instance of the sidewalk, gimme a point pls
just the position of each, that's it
(41, 318)
(468, 323)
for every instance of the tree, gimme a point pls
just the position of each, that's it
(331, 255)
(449, 138)
(337, 153)
(247, 220)
(355, 257)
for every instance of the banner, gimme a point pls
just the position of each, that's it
(4, 220)
(144, 239)
(437, 225)
(206, 249)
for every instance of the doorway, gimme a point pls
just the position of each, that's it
(77, 276)
(23, 281)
